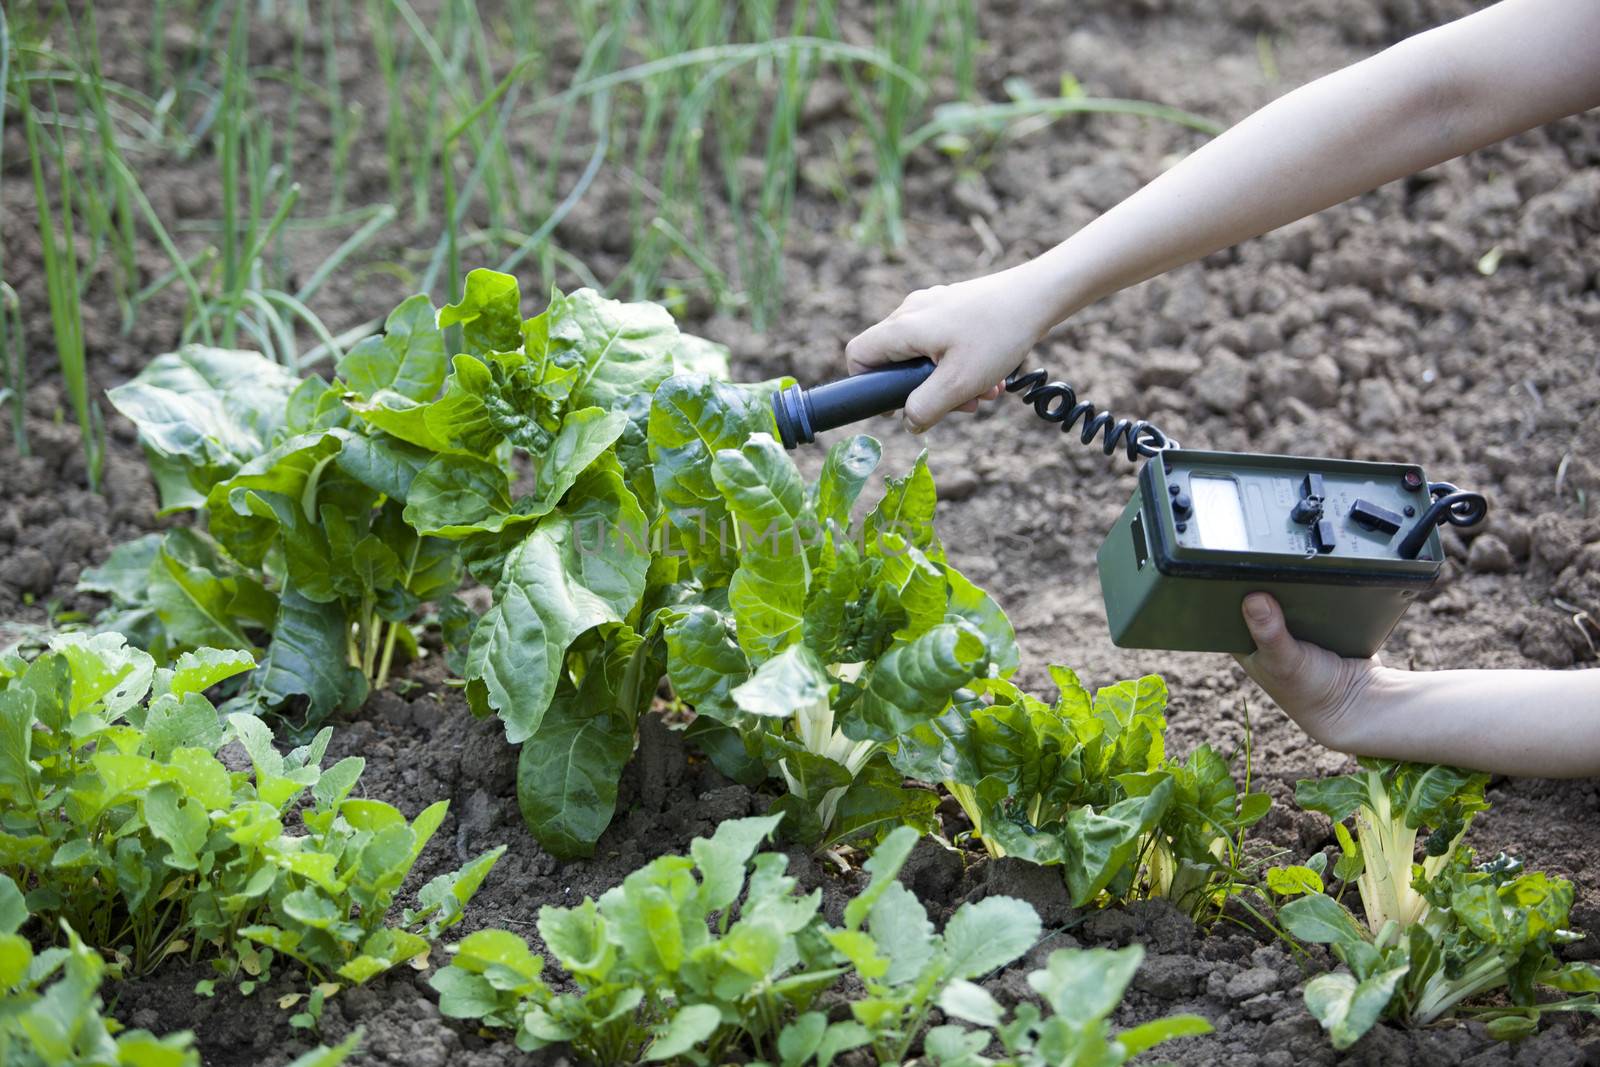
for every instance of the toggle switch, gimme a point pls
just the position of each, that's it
(1370, 516)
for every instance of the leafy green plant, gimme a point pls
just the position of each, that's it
(1392, 802)
(120, 821)
(1436, 933)
(1081, 987)
(813, 642)
(1086, 784)
(695, 958)
(334, 511)
(50, 1008)
(907, 968)
(50, 1005)
(1483, 928)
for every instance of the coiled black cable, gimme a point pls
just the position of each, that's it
(1452, 505)
(1058, 402)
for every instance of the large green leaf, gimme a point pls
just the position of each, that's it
(489, 313)
(1102, 845)
(914, 682)
(459, 496)
(704, 660)
(621, 349)
(846, 469)
(692, 418)
(407, 358)
(382, 463)
(195, 596)
(206, 411)
(877, 802)
(569, 768)
(308, 659)
(569, 574)
(765, 497)
(1322, 920)
(789, 681)
(907, 509)
(1346, 1008)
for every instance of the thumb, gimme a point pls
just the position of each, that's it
(1277, 651)
(946, 389)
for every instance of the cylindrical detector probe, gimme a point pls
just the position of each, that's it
(804, 413)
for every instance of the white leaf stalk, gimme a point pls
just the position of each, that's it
(814, 729)
(1389, 848)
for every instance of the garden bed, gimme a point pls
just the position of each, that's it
(1378, 330)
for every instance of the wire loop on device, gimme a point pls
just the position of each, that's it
(1058, 402)
(1452, 505)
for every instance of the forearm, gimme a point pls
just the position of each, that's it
(1543, 724)
(1428, 99)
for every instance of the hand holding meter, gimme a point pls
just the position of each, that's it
(1344, 545)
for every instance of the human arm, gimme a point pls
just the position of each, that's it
(1509, 67)
(1542, 724)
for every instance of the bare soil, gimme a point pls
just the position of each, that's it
(1367, 332)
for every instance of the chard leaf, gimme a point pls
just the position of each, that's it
(556, 585)
(197, 604)
(289, 471)
(845, 471)
(125, 575)
(568, 770)
(1337, 798)
(705, 662)
(979, 609)
(787, 682)
(307, 658)
(735, 754)
(1322, 920)
(585, 434)
(1346, 1008)
(907, 510)
(696, 355)
(382, 463)
(620, 350)
(458, 496)
(316, 406)
(1102, 845)
(940, 749)
(766, 499)
(206, 411)
(692, 418)
(810, 775)
(877, 802)
(407, 358)
(489, 313)
(914, 682)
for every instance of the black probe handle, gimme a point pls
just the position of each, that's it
(804, 413)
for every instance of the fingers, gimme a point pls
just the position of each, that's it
(952, 385)
(1277, 652)
(887, 342)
